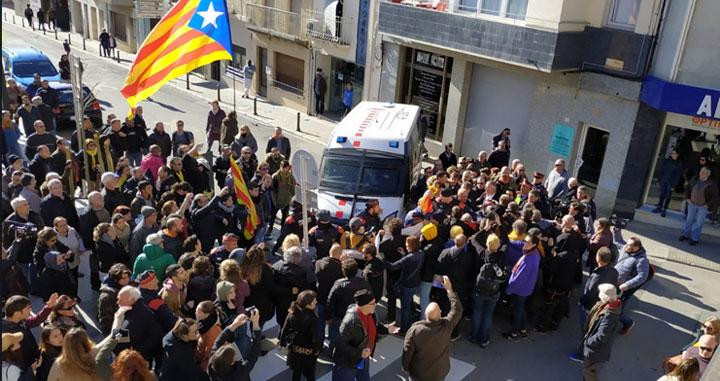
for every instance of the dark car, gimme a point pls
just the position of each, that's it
(65, 110)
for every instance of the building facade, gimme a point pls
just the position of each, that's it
(564, 76)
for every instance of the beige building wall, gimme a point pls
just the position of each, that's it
(277, 95)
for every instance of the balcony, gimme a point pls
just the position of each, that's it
(328, 27)
(274, 21)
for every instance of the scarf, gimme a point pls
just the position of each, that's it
(180, 176)
(227, 209)
(106, 238)
(169, 286)
(92, 154)
(204, 325)
(597, 311)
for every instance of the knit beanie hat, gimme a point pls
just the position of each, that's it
(363, 297)
(146, 277)
(223, 289)
(429, 232)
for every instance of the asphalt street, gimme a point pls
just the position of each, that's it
(666, 312)
(106, 78)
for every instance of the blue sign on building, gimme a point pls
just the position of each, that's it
(362, 32)
(681, 99)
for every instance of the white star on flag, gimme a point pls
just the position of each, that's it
(209, 16)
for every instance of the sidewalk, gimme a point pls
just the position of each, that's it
(312, 128)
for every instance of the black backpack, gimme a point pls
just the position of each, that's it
(489, 279)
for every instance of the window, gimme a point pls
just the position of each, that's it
(289, 73)
(239, 56)
(623, 13)
(117, 26)
(513, 9)
(351, 171)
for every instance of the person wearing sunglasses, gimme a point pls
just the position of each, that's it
(711, 326)
(703, 352)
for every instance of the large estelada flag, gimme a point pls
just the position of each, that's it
(192, 34)
(243, 198)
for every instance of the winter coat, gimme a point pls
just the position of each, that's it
(299, 335)
(342, 295)
(152, 163)
(153, 258)
(671, 172)
(599, 275)
(244, 141)
(113, 199)
(262, 294)
(172, 244)
(633, 269)
(28, 345)
(373, 274)
(174, 297)
(110, 254)
(240, 370)
(283, 189)
(200, 288)
(162, 312)
(103, 352)
(352, 340)
(206, 341)
(432, 250)
(523, 278)
(145, 332)
(561, 271)
(214, 124)
(410, 266)
(53, 206)
(136, 138)
(457, 263)
(426, 348)
(327, 271)
(162, 139)
(284, 146)
(289, 275)
(228, 130)
(203, 223)
(179, 362)
(25, 250)
(600, 331)
(107, 305)
(178, 139)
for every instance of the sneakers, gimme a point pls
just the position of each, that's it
(523, 334)
(694, 242)
(626, 328)
(577, 357)
(682, 238)
(512, 336)
(485, 344)
(455, 338)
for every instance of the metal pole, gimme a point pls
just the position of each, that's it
(118, 54)
(303, 187)
(100, 49)
(234, 95)
(13, 19)
(218, 91)
(187, 81)
(298, 123)
(83, 42)
(69, 40)
(23, 21)
(56, 37)
(255, 106)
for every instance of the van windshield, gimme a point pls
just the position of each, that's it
(29, 68)
(353, 172)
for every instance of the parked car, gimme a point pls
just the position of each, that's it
(65, 110)
(21, 64)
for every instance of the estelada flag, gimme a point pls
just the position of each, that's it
(243, 198)
(192, 34)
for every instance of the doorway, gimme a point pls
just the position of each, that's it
(215, 71)
(262, 63)
(592, 155)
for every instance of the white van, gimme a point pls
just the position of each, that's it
(375, 152)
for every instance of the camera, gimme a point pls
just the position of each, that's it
(22, 230)
(618, 222)
(249, 310)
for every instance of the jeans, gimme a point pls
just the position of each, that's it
(340, 373)
(624, 319)
(425, 288)
(519, 313)
(694, 221)
(134, 158)
(260, 234)
(210, 144)
(333, 332)
(320, 309)
(591, 370)
(582, 316)
(406, 307)
(665, 196)
(482, 317)
(242, 339)
(319, 103)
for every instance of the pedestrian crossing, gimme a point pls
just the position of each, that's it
(386, 364)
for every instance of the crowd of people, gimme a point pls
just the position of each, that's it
(184, 287)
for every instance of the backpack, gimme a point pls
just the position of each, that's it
(489, 279)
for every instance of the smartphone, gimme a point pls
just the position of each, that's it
(249, 310)
(437, 281)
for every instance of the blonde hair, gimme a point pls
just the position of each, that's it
(77, 355)
(230, 271)
(493, 242)
(714, 322)
(100, 229)
(291, 240)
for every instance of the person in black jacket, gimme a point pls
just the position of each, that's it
(89, 219)
(22, 226)
(373, 271)
(457, 263)
(221, 167)
(136, 139)
(389, 249)
(108, 249)
(341, 296)
(263, 288)
(58, 204)
(410, 269)
(500, 156)
(356, 340)
(224, 363)
(146, 334)
(292, 279)
(201, 286)
(432, 247)
(148, 284)
(178, 348)
(300, 337)
(162, 139)
(202, 218)
(448, 157)
(604, 273)
(280, 141)
(327, 271)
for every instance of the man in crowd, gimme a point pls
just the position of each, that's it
(147, 226)
(58, 204)
(599, 332)
(633, 270)
(38, 138)
(703, 352)
(18, 317)
(557, 181)
(107, 303)
(701, 195)
(145, 332)
(356, 340)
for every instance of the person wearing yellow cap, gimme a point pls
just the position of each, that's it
(432, 245)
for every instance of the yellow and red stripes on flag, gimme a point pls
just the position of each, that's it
(170, 50)
(243, 198)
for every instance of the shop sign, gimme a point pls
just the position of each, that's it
(705, 122)
(681, 99)
(561, 142)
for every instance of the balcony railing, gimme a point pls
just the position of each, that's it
(339, 30)
(275, 21)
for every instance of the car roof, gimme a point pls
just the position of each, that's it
(64, 86)
(24, 53)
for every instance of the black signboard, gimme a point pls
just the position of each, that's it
(427, 91)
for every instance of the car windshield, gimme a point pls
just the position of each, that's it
(66, 95)
(29, 68)
(366, 174)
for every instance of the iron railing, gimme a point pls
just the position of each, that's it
(274, 21)
(328, 27)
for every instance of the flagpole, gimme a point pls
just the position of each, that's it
(234, 94)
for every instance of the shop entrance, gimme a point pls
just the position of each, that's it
(593, 153)
(426, 80)
(342, 73)
(690, 144)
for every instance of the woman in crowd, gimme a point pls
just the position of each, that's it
(12, 361)
(179, 346)
(70, 238)
(129, 365)
(710, 326)
(63, 315)
(300, 337)
(601, 238)
(523, 277)
(201, 286)
(122, 230)
(259, 275)
(225, 302)
(209, 329)
(688, 370)
(51, 342)
(108, 248)
(230, 271)
(291, 278)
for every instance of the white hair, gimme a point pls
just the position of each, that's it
(94, 194)
(54, 182)
(107, 176)
(133, 293)
(52, 176)
(293, 255)
(17, 201)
